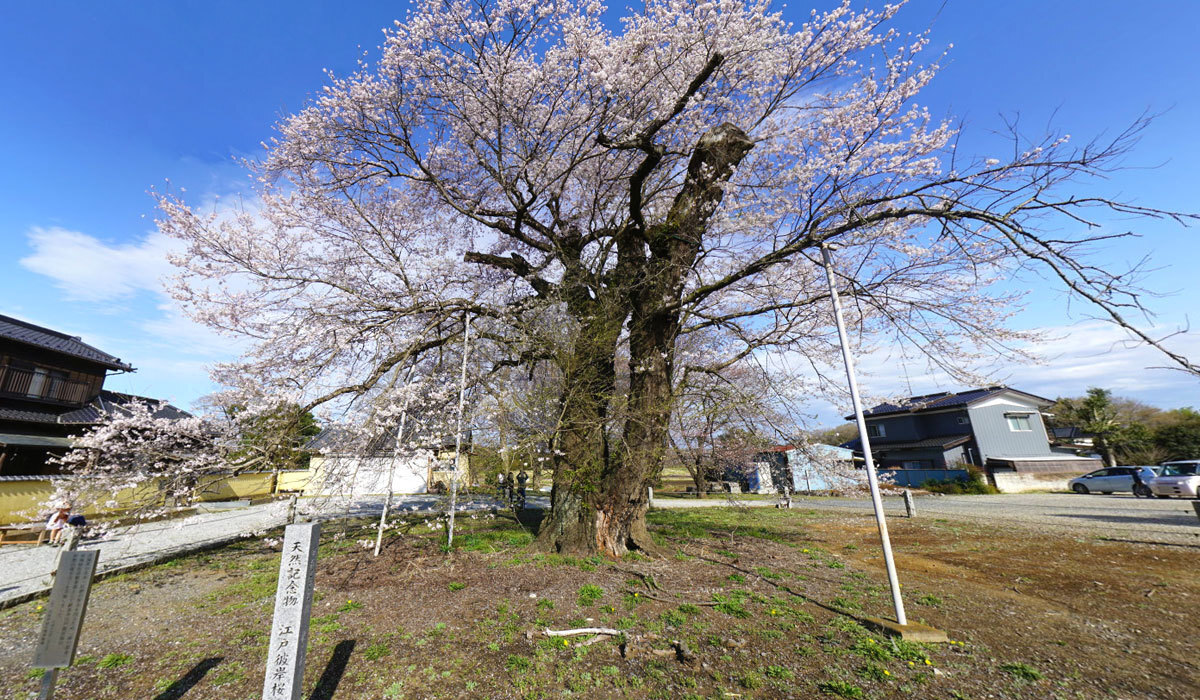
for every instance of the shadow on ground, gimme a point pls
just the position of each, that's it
(334, 670)
(176, 690)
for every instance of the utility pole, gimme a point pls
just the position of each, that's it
(872, 478)
(462, 394)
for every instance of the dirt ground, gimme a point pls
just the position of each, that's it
(755, 603)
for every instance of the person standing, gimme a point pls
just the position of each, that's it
(522, 479)
(500, 485)
(510, 483)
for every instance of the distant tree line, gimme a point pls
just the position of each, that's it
(1127, 431)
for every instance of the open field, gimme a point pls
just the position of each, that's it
(755, 603)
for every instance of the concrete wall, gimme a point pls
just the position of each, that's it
(361, 476)
(1019, 482)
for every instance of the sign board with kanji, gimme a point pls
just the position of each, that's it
(64, 611)
(293, 605)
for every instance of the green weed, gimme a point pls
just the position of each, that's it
(590, 594)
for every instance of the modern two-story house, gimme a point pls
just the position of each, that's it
(994, 427)
(51, 387)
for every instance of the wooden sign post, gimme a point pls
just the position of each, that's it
(64, 616)
(293, 606)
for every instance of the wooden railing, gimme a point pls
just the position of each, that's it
(41, 385)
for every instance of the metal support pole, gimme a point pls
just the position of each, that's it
(48, 680)
(462, 395)
(872, 478)
(387, 503)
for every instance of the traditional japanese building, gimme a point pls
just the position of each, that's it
(52, 387)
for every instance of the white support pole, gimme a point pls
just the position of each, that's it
(872, 479)
(462, 395)
(387, 503)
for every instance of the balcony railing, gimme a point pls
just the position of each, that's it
(41, 385)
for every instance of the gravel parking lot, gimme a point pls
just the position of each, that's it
(1123, 517)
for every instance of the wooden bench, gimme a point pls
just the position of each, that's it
(23, 534)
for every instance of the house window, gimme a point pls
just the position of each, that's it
(876, 430)
(913, 464)
(1018, 423)
(963, 420)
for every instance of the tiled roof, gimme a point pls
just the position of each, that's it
(86, 415)
(944, 400)
(37, 336)
(944, 442)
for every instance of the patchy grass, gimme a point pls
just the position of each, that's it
(768, 602)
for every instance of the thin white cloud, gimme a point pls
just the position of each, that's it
(88, 269)
(1074, 358)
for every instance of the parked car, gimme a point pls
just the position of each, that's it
(1180, 479)
(1110, 480)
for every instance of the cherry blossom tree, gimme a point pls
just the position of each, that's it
(140, 462)
(592, 192)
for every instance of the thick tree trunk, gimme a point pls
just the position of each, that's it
(589, 377)
(608, 514)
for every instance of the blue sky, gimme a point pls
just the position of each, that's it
(105, 101)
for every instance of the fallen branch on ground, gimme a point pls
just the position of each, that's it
(582, 630)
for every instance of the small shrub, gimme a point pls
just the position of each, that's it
(974, 483)
(517, 663)
(1023, 671)
(766, 573)
(674, 618)
(868, 648)
(779, 672)
(750, 680)
(350, 605)
(733, 604)
(930, 600)
(114, 661)
(376, 651)
(842, 689)
(590, 594)
(545, 604)
(456, 586)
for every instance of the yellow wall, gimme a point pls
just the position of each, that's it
(18, 496)
(20, 501)
(294, 481)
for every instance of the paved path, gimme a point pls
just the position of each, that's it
(26, 569)
(1170, 521)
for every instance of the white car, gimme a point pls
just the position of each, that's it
(1180, 479)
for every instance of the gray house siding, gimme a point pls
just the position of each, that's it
(944, 423)
(995, 439)
(896, 429)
